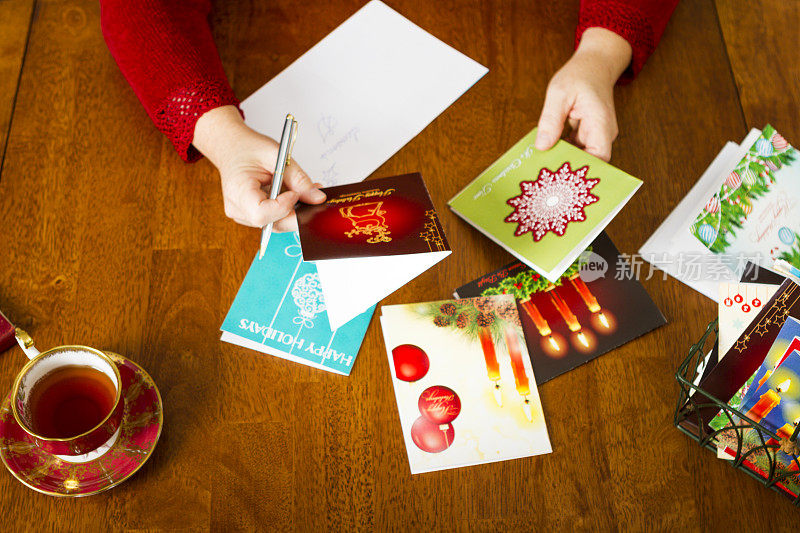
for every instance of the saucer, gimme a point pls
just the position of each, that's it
(139, 431)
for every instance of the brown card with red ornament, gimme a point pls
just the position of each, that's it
(465, 389)
(594, 307)
(368, 240)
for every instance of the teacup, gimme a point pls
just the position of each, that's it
(69, 400)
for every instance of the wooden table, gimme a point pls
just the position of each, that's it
(111, 241)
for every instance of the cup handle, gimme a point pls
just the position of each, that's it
(26, 343)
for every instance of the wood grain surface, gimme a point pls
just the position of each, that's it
(110, 240)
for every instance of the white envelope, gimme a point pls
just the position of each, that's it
(362, 93)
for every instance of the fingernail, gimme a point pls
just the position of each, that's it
(318, 196)
(542, 141)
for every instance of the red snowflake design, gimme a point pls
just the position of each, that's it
(552, 201)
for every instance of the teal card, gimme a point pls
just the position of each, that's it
(280, 310)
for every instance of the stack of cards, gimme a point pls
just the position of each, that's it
(745, 207)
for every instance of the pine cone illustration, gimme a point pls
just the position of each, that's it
(462, 321)
(484, 305)
(441, 321)
(448, 308)
(508, 312)
(484, 320)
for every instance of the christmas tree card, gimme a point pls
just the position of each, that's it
(465, 389)
(673, 249)
(755, 212)
(545, 208)
(280, 310)
(369, 239)
(594, 307)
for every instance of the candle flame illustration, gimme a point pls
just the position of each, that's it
(582, 338)
(498, 397)
(526, 406)
(553, 343)
(603, 320)
(784, 386)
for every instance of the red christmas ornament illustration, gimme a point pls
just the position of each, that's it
(779, 142)
(746, 308)
(734, 181)
(738, 298)
(439, 404)
(756, 302)
(430, 437)
(728, 302)
(712, 206)
(552, 201)
(411, 363)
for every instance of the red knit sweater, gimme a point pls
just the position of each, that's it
(166, 51)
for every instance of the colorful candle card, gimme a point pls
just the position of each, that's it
(545, 208)
(593, 308)
(463, 380)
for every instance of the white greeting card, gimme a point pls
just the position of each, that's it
(466, 392)
(673, 249)
(739, 303)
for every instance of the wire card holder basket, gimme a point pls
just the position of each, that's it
(771, 458)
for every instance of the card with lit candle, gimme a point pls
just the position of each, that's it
(465, 389)
(369, 239)
(594, 307)
(771, 397)
(747, 354)
(545, 208)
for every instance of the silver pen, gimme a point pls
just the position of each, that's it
(284, 158)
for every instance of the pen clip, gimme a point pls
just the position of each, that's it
(291, 143)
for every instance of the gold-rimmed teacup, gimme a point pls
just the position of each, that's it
(84, 445)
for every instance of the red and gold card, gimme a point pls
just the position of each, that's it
(369, 239)
(389, 216)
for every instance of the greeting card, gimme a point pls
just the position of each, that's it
(672, 247)
(770, 398)
(738, 305)
(369, 239)
(280, 310)
(755, 212)
(545, 208)
(465, 389)
(593, 308)
(741, 361)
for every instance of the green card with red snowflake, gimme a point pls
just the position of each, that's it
(545, 208)
(755, 213)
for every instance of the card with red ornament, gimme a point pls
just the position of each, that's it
(465, 389)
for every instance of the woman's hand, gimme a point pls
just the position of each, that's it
(246, 160)
(582, 94)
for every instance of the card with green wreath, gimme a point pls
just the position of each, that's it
(545, 208)
(756, 211)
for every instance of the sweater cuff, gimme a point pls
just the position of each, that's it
(177, 117)
(627, 22)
